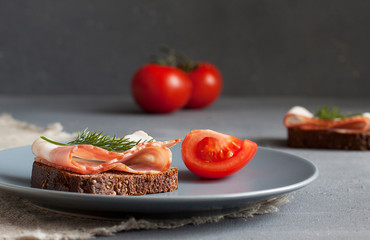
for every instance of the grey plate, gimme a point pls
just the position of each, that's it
(270, 173)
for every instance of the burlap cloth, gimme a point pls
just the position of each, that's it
(19, 219)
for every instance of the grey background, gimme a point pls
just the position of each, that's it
(263, 48)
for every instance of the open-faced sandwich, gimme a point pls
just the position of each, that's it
(327, 128)
(135, 164)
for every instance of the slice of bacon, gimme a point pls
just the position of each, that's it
(299, 117)
(146, 157)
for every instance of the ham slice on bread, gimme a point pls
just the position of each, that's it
(346, 133)
(145, 158)
(299, 117)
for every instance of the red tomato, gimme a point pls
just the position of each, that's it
(212, 154)
(160, 89)
(207, 85)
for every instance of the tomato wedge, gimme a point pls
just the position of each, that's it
(211, 154)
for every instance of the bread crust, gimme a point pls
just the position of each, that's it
(107, 183)
(328, 139)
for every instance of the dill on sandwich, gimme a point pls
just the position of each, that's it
(98, 139)
(330, 113)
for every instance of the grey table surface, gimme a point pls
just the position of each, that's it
(335, 206)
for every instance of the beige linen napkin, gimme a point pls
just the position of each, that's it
(20, 219)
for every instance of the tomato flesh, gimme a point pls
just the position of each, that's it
(212, 154)
(212, 149)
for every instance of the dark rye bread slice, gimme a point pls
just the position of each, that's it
(108, 183)
(327, 139)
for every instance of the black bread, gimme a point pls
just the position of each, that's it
(108, 183)
(328, 139)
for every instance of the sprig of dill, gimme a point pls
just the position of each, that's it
(101, 140)
(329, 113)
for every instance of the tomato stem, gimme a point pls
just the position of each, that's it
(176, 59)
